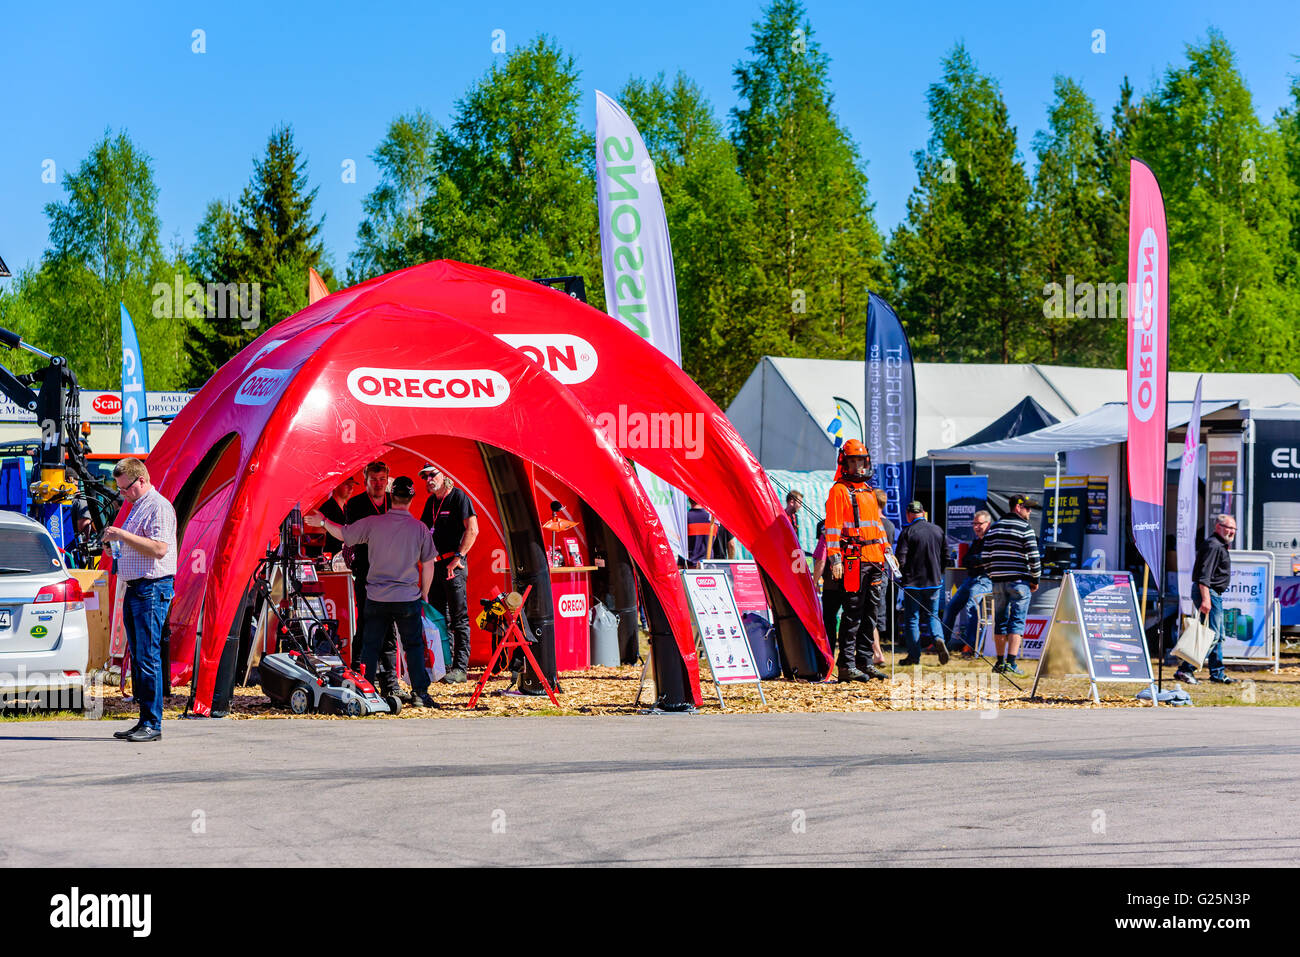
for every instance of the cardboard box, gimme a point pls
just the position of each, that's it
(94, 584)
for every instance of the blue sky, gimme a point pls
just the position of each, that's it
(340, 72)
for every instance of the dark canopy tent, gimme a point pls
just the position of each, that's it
(1025, 416)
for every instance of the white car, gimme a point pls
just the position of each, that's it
(44, 639)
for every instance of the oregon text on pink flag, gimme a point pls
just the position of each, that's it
(1148, 362)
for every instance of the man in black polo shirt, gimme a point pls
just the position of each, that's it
(449, 513)
(1211, 576)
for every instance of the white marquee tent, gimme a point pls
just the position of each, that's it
(784, 406)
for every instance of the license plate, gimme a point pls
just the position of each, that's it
(4, 619)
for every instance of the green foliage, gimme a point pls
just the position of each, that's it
(710, 221)
(270, 238)
(1230, 204)
(817, 250)
(1067, 221)
(389, 235)
(515, 187)
(774, 243)
(103, 250)
(960, 258)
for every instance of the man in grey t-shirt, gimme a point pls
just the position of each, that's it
(397, 583)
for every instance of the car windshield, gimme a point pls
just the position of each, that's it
(27, 548)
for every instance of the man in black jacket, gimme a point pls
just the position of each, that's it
(1211, 576)
(920, 557)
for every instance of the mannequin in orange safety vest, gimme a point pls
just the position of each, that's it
(855, 552)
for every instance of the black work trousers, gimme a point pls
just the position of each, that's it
(449, 596)
(857, 618)
(382, 618)
(387, 665)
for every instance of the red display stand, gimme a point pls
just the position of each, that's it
(340, 603)
(571, 593)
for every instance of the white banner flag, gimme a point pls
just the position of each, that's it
(640, 285)
(1186, 540)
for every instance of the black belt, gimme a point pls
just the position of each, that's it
(160, 578)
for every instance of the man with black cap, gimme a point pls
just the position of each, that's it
(1012, 563)
(400, 570)
(449, 514)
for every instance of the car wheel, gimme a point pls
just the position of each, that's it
(300, 700)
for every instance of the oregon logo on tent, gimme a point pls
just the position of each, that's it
(262, 386)
(573, 606)
(264, 351)
(429, 389)
(569, 358)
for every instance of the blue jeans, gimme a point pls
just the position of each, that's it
(1011, 601)
(143, 612)
(918, 601)
(967, 598)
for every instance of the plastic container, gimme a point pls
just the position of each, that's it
(604, 637)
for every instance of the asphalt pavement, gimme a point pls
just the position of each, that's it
(1167, 787)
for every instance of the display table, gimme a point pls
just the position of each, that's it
(571, 593)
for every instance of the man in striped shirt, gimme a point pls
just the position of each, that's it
(1011, 561)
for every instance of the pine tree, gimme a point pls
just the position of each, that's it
(267, 241)
(968, 219)
(709, 212)
(818, 251)
(1067, 226)
(516, 174)
(1229, 202)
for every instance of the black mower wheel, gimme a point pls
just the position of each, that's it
(394, 704)
(300, 700)
(354, 708)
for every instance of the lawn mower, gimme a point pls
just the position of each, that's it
(306, 672)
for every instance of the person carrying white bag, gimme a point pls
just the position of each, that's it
(1210, 579)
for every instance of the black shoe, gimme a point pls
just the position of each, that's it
(872, 673)
(845, 675)
(145, 734)
(907, 662)
(941, 650)
(455, 676)
(122, 735)
(426, 700)
(1186, 677)
(1225, 680)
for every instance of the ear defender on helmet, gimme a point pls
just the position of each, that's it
(855, 449)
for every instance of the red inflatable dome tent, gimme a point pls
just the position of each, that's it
(268, 432)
